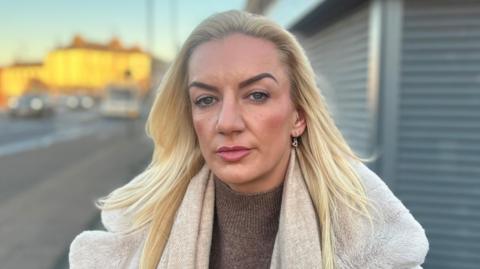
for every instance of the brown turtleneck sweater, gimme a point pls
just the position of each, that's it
(244, 229)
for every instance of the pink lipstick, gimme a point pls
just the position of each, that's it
(233, 153)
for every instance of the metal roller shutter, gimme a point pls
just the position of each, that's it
(339, 56)
(438, 161)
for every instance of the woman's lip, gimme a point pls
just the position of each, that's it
(231, 148)
(233, 155)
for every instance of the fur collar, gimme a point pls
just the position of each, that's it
(396, 241)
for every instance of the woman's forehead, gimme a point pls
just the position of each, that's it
(232, 56)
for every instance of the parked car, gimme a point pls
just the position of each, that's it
(121, 102)
(30, 105)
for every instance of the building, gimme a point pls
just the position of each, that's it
(402, 79)
(258, 6)
(17, 77)
(81, 66)
(3, 96)
(91, 66)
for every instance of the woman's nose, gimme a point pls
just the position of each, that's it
(230, 119)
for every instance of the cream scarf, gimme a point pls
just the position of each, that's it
(397, 240)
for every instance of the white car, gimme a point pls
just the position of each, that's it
(121, 102)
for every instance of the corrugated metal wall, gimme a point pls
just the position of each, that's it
(438, 162)
(339, 54)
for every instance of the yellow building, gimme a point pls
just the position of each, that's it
(3, 96)
(81, 66)
(90, 66)
(18, 77)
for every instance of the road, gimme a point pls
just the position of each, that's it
(51, 172)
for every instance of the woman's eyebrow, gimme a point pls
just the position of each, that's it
(240, 85)
(203, 86)
(255, 79)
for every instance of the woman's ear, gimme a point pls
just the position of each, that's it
(299, 124)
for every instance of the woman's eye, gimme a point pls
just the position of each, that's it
(258, 96)
(205, 101)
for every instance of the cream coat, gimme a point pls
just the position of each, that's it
(397, 240)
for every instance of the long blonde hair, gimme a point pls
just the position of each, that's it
(324, 157)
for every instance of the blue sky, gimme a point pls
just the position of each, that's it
(29, 28)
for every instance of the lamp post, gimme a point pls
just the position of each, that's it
(150, 26)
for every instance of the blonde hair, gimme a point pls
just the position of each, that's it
(324, 157)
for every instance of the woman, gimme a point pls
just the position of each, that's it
(249, 170)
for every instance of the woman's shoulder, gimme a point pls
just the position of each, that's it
(397, 239)
(378, 192)
(103, 249)
(106, 249)
(371, 181)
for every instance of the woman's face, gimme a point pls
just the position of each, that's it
(242, 111)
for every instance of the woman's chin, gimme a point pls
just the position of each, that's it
(232, 179)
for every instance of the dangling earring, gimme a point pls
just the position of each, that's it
(295, 142)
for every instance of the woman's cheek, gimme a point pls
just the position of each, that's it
(197, 124)
(278, 120)
(203, 125)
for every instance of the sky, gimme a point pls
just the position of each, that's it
(29, 29)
